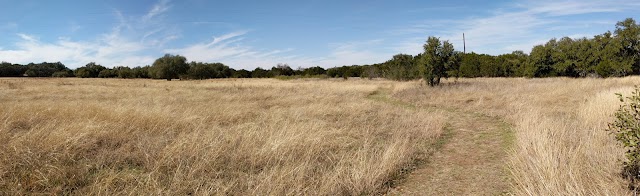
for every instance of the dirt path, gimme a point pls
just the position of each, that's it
(470, 161)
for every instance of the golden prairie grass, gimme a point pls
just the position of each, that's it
(561, 146)
(319, 137)
(232, 137)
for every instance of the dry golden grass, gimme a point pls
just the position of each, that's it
(313, 137)
(237, 137)
(561, 146)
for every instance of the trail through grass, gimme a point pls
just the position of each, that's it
(469, 158)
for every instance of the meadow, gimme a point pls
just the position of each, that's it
(305, 136)
(238, 137)
(560, 144)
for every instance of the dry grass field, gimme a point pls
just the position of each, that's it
(561, 146)
(310, 137)
(238, 137)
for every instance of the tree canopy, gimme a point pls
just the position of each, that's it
(169, 67)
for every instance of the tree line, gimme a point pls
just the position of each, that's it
(167, 67)
(610, 54)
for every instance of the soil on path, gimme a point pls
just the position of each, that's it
(470, 158)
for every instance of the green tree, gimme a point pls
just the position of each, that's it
(628, 34)
(82, 73)
(453, 65)
(565, 56)
(312, 71)
(107, 73)
(488, 66)
(610, 56)
(373, 71)
(62, 74)
(44, 69)
(435, 58)
(124, 72)
(585, 59)
(260, 73)
(141, 72)
(169, 67)
(432, 62)
(540, 63)
(11, 70)
(470, 65)
(511, 65)
(200, 71)
(401, 67)
(282, 70)
(241, 74)
(90, 70)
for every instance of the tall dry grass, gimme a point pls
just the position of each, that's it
(320, 137)
(235, 137)
(561, 146)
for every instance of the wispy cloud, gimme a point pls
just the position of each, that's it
(127, 44)
(27, 38)
(161, 7)
(110, 51)
(74, 27)
(230, 49)
(130, 40)
(518, 27)
(353, 53)
(139, 39)
(227, 37)
(219, 48)
(564, 8)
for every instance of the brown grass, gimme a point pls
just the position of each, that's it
(561, 146)
(237, 137)
(311, 137)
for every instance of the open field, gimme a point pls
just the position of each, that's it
(560, 145)
(102, 136)
(327, 137)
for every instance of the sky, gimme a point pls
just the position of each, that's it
(301, 33)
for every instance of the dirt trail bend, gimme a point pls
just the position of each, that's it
(471, 161)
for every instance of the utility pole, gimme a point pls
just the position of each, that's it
(464, 43)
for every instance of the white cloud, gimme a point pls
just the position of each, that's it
(519, 28)
(219, 48)
(161, 7)
(28, 38)
(74, 27)
(110, 51)
(139, 40)
(230, 49)
(130, 41)
(564, 8)
(124, 45)
(226, 37)
(356, 53)
(525, 46)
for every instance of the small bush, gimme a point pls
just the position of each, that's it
(300, 77)
(62, 74)
(627, 131)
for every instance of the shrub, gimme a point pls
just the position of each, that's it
(169, 67)
(62, 74)
(626, 129)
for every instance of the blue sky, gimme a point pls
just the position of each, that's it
(247, 34)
